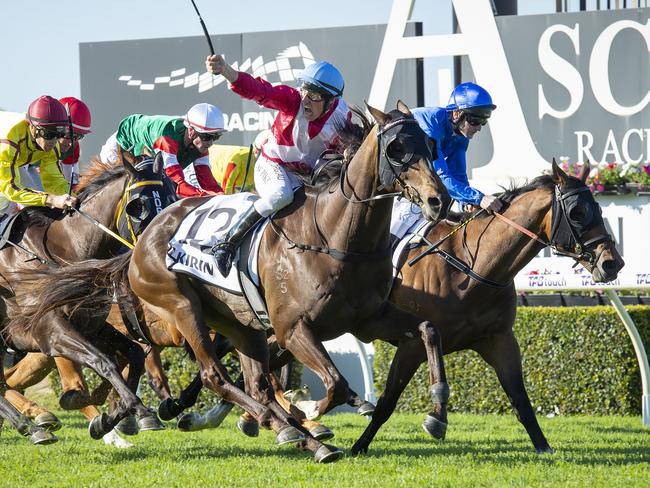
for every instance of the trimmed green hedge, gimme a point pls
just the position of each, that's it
(576, 360)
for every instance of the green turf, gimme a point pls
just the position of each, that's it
(478, 451)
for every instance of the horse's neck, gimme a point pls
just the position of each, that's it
(74, 237)
(361, 227)
(500, 251)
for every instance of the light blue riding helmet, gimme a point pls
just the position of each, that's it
(323, 78)
(472, 98)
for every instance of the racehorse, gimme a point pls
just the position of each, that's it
(313, 292)
(469, 313)
(561, 212)
(123, 195)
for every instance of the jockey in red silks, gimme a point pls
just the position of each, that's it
(307, 124)
(81, 121)
(182, 141)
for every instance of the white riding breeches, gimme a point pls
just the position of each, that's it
(275, 185)
(404, 215)
(190, 176)
(110, 149)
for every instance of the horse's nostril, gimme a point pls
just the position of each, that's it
(434, 202)
(609, 266)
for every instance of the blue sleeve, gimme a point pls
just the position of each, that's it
(453, 173)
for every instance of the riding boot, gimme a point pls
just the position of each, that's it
(224, 250)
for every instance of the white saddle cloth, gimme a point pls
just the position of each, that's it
(190, 247)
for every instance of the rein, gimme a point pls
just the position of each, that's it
(558, 197)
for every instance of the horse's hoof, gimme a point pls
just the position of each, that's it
(114, 439)
(358, 448)
(74, 400)
(96, 427)
(217, 414)
(289, 435)
(48, 421)
(43, 437)
(434, 427)
(189, 422)
(128, 425)
(321, 433)
(150, 421)
(366, 409)
(169, 409)
(249, 427)
(327, 454)
(545, 450)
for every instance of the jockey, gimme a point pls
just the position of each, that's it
(80, 116)
(81, 120)
(182, 141)
(451, 128)
(229, 164)
(307, 124)
(34, 139)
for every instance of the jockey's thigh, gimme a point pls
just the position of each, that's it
(403, 216)
(190, 176)
(30, 177)
(275, 186)
(110, 149)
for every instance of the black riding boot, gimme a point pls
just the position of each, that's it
(224, 250)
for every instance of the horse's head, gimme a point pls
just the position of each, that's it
(578, 229)
(145, 194)
(405, 161)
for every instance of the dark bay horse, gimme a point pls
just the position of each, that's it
(561, 210)
(109, 194)
(337, 282)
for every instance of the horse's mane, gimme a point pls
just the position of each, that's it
(538, 183)
(351, 137)
(96, 176)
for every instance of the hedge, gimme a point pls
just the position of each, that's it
(180, 369)
(576, 360)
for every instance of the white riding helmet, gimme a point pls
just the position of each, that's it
(205, 118)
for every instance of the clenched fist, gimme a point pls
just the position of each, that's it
(216, 65)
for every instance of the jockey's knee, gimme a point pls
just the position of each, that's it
(277, 201)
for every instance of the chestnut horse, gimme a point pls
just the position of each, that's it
(106, 193)
(313, 291)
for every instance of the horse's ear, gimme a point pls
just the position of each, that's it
(559, 176)
(402, 107)
(380, 117)
(123, 157)
(584, 172)
(158, 163)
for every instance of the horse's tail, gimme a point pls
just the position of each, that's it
(90, 286)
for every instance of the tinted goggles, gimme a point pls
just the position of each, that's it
(75, 136)
(205, 137)
(475, 120)
(49, 133)
(312, 96)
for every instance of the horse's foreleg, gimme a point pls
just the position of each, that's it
(57, 337)
(309, 350)
(502, 353)
(156, 374)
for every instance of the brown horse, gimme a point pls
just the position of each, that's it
(312, 292)
(109, 194)
(472, 315)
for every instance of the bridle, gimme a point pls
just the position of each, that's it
(565, 235)
(390, 171)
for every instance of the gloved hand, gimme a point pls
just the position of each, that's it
(61, 201)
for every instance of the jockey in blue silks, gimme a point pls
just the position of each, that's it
(451, 128)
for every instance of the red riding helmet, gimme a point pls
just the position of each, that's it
(46, 110)
(79, 113)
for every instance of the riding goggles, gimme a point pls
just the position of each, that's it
(75, 137)
(48, 133)
(312, 96)
(208, 137)
(475, 120)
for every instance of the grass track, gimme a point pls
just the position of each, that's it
(478, 451)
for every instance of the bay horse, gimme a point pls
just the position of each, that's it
(313, 291)
(562, 213)
(111, 195)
